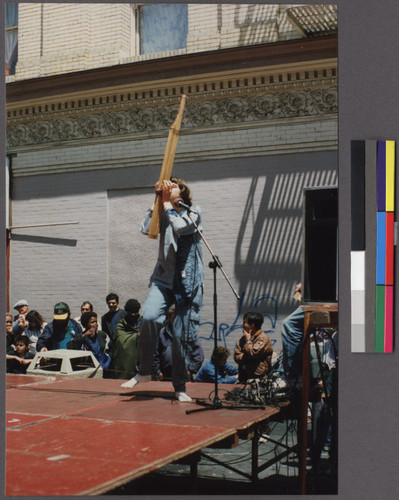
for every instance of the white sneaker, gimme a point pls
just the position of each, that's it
(135, 380)
(182, 397)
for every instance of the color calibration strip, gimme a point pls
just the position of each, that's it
(385, 246)
(372, 246)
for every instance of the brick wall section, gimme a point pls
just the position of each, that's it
(82, 36)
(56, 263)
(75, 37)
(29, 34)
(61, 262)
(113, 41)
(213, 27)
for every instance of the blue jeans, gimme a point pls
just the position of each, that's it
(185, 331)
(292, 338)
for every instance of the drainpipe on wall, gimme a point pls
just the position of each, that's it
(8, 225)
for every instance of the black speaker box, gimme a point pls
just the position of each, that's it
(320, 255)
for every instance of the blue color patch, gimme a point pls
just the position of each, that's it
(381, 244)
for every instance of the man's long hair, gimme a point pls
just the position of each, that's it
(184, 190)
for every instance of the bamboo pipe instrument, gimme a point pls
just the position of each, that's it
(166, 169)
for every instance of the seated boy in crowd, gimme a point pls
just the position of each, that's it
(253, 352)
(18, 362)
(226, 374)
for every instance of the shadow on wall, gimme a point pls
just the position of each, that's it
(265, 227)
(69, 242)
(257, 23)
(268, 254)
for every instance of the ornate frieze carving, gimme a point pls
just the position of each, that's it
(137, 117)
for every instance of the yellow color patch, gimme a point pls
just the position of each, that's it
(390, 176)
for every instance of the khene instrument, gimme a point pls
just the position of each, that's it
(166, 170)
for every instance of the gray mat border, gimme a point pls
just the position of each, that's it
(368, 109)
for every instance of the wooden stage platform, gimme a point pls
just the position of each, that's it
(69, 436)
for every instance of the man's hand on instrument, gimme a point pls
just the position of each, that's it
(167, 188)
(158, 189)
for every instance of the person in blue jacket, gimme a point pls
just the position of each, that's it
(177, 278)
(94, 340)
(226, 374)
(59, 332)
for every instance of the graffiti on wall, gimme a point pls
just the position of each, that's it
(264, 303)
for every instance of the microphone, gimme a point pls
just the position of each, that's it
(179, 203)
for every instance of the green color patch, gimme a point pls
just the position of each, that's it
(379, 318)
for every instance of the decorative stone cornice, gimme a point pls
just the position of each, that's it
(152, 115)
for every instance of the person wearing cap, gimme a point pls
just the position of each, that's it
(22, 307)
(124, 343)
(178, 277)
(19, 323)
(59, 333)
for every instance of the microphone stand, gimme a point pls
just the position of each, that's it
(215, 264)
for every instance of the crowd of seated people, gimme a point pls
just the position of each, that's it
(115, 344)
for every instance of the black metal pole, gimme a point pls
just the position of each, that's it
(213, 265)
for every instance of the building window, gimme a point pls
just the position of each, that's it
(11, 37)
(162, 27)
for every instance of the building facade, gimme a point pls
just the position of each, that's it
(88, 113)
